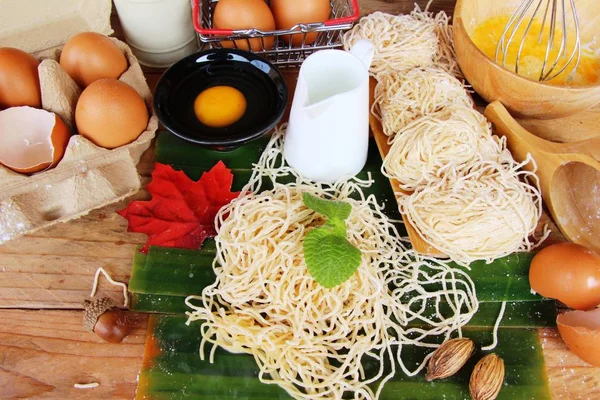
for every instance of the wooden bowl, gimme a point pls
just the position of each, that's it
(523, 97)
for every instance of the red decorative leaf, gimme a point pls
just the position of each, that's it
(181, 212)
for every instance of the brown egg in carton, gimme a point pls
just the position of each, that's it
(88, 176)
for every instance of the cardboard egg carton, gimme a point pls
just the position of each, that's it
(88, 177)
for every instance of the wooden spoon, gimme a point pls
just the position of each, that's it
(575, 128)
(568, 173)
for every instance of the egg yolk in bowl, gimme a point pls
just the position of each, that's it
(220, 106)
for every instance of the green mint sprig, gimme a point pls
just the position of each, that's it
(331, 259)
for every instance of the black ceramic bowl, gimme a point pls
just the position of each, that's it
(261, 83)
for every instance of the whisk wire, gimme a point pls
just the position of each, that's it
(522, 44)
(555, 14)
(504, 44)
(550, 43)
(576, 50)
(544, 21)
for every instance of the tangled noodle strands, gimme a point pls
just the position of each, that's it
(310, 340)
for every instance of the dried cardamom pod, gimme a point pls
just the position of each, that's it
(449, 358)
(487, 378)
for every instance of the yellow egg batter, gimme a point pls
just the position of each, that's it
(487, 35)
(220, 106)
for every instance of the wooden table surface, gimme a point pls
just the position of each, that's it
(45, 276)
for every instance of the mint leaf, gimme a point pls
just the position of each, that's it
(330, 208)
(330, 258)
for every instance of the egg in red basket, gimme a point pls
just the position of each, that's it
(288, 13)
(245, 14)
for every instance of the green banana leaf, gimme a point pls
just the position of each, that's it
(518, 314)
(172, 369)
(180, 272)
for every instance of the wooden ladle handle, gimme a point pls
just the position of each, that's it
(570, 182)
(590, 147)
(579, 133)
(521, 142)
(548, 155)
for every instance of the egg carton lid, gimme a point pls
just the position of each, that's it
(33, 26)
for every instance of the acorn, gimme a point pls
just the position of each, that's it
(105, 320)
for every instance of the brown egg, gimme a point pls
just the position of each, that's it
(110, 113)
(581, 332)
(90, 56)
(288, 13)
(245, 14)
(19, 80)
(567, 272)
(31, 139)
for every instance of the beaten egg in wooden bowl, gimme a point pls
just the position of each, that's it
(478, 25)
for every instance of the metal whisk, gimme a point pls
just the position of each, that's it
(555, 13)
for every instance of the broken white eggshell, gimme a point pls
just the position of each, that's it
(31, 140)
(580, 331)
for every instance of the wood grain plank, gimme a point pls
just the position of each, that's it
(570, 377)
(44, 353)
(54, 267)
(64, 284)
(33, 245)
(57, 282)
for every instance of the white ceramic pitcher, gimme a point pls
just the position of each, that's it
(327, 137)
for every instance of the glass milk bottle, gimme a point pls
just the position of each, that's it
(159, 32)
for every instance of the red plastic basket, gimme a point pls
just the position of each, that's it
(343, 15)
